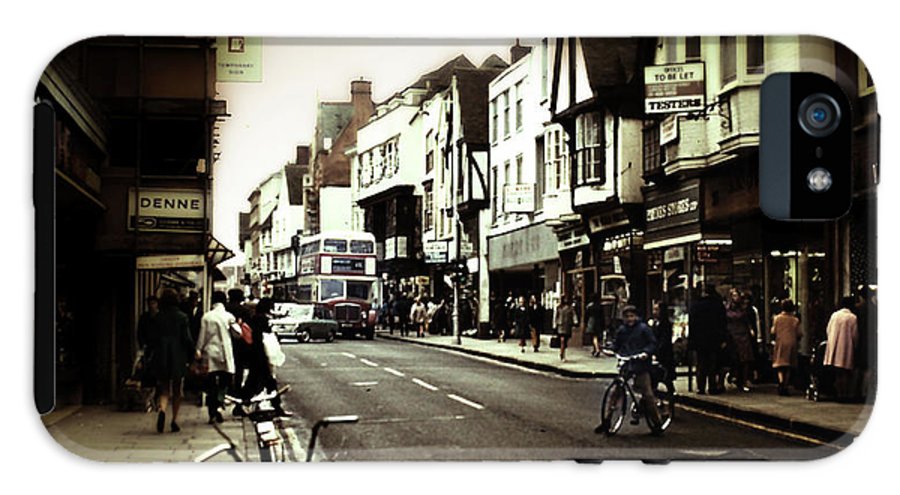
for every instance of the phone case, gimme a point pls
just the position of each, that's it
(534, 249)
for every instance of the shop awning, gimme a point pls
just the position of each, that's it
(216, 252)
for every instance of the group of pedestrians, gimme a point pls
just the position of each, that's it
(422, 315)
(230, 339)
(519, 317)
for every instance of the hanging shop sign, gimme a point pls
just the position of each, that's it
(167, 210)
(436, 251)
(518, 198)
(674, 88)
(673, 216)
(238, 59)
(668, 130)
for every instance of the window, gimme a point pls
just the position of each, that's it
(304, 292)
(429, 153)
(588, 148)
(309, 248)
(519, 106)
(335, 246)
(358, 290)
(728, 58)
(519, 160)
(506, 127)
(671, 47)
(495, 120)
(507, 176)
(362, 247)
(428, 208)
(331, 289)
(539, 182)
(692, 48)
(495, 198)
(652, 153)
(756, 55)
(555, 150)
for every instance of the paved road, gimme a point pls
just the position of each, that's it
(418, 403)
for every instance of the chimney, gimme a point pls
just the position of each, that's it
(361, 97)
(302, 155)
(517, 52)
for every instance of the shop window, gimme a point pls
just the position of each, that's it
(589, 148)
(728, 58)
(756, 55)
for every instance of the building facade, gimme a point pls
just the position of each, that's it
(136, 120)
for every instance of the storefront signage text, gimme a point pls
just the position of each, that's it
(674, 88)
(436, 251)
(671, 209)
(166, 210)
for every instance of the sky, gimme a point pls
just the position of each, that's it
(270, 118)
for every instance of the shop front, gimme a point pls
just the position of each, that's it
(525, 262)
(578, 274)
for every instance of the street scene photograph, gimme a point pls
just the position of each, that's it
(307, 250)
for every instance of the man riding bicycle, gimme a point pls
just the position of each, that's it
(635, 338)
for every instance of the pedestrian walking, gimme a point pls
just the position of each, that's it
(403, 309)
(662, 331)
(522, 321)
(148, 336)
(707, 338)
(786, 337)
(840, 351)
(261, 377)
(740, 339)
(594, 324)
(565, 321)
(417, 317)
(537, 321)
(498, 318)
(866, 312)
(240, 345)
(172, 354)
(214, 345)
(430, 309)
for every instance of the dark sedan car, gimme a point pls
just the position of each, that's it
(304, 322)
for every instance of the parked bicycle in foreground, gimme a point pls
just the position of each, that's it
(619, 399)
(263, 415)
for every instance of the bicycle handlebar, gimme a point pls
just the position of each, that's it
(259, 397)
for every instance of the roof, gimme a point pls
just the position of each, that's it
(614, 67)
(440, 78)
(331, 118)
(494, 62)
(472, 86)
(293, 177)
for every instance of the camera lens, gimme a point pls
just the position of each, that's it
(818, 180)
(819, 115)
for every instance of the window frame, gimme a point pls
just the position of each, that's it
(589, 142)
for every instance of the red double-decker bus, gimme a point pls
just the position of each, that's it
(338, 268)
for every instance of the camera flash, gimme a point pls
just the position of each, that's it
(818, 180)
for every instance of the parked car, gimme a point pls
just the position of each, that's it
(304, 322)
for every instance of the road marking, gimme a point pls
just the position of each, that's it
(363, 384)
(351, 356)
(370, 363)
(755, 426)
(424, 384)
(465, 401)
(394, 372)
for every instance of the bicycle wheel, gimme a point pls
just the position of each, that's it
(612, 410)
(665, 403)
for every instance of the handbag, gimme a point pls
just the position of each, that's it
(199, 367)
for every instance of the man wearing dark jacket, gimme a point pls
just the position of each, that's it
(707, 325)
(634, 338)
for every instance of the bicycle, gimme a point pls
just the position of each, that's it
(615, 405)
(261, 413)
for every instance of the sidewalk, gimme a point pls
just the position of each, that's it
(101, 433)
(824, 421)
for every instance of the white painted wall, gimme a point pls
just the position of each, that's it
(334, 203)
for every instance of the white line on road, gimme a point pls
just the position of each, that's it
(424, 384)
(351, 356)
(465, 401)
(363, 384)
(370, 363)
(394, 372)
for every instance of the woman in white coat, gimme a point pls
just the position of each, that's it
(214, 346)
